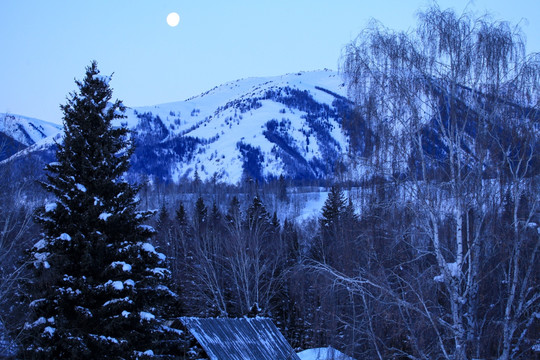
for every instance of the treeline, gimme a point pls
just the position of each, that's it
(235, 257)
(362, 276)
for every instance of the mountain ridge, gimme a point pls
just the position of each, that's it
(259, 127)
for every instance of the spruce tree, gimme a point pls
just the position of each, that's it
(232, 218)
(200, 218)
(333, 209)
(99, 288)
(330, 226)
(182, 219)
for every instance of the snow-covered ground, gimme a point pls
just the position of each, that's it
(327, 353)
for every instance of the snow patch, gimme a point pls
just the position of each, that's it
(102, 78)
(41, 258)
(453, 268)
(104, 216)
(146, 316)
(49, 331)
(327, 353)
(85, 311)
(115, 301)
(64, 237)
(162, 272)
(167, 290)
(117, 285)
(125, 267)
(148, 248)
(40, 244)
(439, 278)
(110, 339)
(38, 322)
(147, 228)
(151, 249)
(80, 187)
(49, 207)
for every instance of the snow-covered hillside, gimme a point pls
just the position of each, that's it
(18, 132)
(262, 127)
(25, 130)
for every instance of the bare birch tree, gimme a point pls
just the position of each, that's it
(439, 97)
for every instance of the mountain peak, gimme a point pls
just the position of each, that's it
(258, 127)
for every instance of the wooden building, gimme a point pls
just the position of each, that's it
(239, 339)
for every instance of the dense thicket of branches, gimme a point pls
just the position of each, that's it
(455, 108)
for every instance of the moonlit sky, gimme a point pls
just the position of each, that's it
(46, 44)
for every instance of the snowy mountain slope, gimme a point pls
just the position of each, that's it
(260, 127)
(298, 125)
(18, 132)
(26, 130)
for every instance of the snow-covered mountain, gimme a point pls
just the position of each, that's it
(261, 127)
(18, 132)
(287, 125)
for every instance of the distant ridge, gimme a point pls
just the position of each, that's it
(260, 128)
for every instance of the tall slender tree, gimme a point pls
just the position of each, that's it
(455, 106)
(99, 288)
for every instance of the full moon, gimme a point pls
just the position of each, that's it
(173, 19)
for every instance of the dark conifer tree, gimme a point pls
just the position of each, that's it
(292, 243)
(163, 227)
(215, 223)
(257, 213)
(333, 208)
(181, 218)
(163, 219)
(183, 253)
(258, 224)
(99, 289)
(200, 219)
(197, 182)
(276, 227)
(331, 223)
(232, 218)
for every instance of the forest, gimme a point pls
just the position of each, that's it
(426, 246)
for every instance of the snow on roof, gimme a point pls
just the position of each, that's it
(327, 353)
(240, 339)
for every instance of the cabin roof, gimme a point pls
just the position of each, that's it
(240, 339)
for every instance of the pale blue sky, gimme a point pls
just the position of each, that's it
(45, 44)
